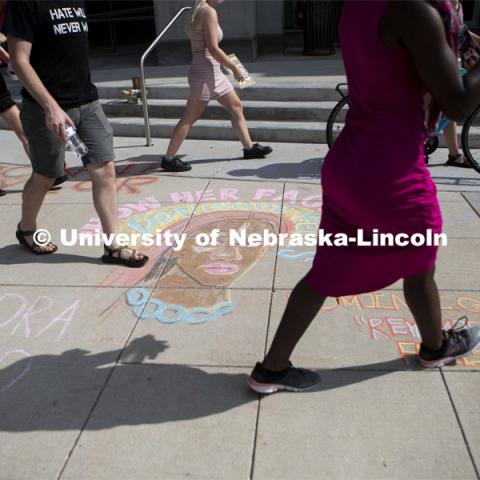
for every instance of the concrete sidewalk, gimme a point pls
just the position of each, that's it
(108, 373)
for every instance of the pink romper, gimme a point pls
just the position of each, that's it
(375, 174)
(205, 77)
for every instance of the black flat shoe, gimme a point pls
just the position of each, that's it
(2, 192)
(257, 151)
(175, 165)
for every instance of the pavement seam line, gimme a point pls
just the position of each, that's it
(277, 246)
(117, 361)
(110, 374)
(100, 394)
(420, 370)
(259, 406)
(246, 289)
(255, 437)
(183, 231)
(469, 203)
(272, 289)
(457, 416)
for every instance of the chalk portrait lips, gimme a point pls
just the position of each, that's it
(220, 268)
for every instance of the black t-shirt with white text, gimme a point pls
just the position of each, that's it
(58, 32)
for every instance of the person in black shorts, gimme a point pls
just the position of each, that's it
(48, 42)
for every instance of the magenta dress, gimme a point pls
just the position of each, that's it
(375, 174)
(205, 77)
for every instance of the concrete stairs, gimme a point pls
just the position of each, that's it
(276, 110)
(275, 113)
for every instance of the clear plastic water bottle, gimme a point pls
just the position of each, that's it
(74, 143)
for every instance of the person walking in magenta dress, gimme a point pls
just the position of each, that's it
(375, 177)
(207, 82)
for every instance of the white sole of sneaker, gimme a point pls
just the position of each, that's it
(267, 388)
(442, 362)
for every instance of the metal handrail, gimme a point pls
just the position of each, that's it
(143, 86)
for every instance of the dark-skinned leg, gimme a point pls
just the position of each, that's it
(422, 298)
(302, 307)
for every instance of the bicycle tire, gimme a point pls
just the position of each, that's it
(331, 120)
(468, 145)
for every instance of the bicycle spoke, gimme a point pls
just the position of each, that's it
(471, 139)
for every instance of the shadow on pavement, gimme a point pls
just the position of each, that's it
(57, 392)
(144, 160)
(456, 181)
(307, 169)
(19, 255)
(137, 166)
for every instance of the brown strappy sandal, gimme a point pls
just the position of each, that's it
(113, 256)
(458, 161)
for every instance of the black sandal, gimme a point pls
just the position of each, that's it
(458, 161)
(34, 247)
(59, 180)
(131, 262)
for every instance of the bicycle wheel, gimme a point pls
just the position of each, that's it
(471, 139)
(336, 121)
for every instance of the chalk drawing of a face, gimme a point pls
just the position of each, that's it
(207, 272)
(223, 264)
(199, 268)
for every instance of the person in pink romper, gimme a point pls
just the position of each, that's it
(375, 177)
(208, 82)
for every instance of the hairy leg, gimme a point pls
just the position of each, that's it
(104, 190)
(33, 195)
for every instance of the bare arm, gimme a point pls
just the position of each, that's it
(209, 21)
(422, 33)
(56, 118)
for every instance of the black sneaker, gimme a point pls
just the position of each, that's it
(458, 342)
(59, 180)
(2, 192)
(175, 165)
(291, 379)
(257, 151)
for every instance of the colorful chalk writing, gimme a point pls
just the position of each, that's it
(209, 273)
(9, 383)
(401, 329)
(26, 319)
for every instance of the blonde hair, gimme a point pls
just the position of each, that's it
(198, 5)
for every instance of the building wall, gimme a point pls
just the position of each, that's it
(245, 23)
(270, 26)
